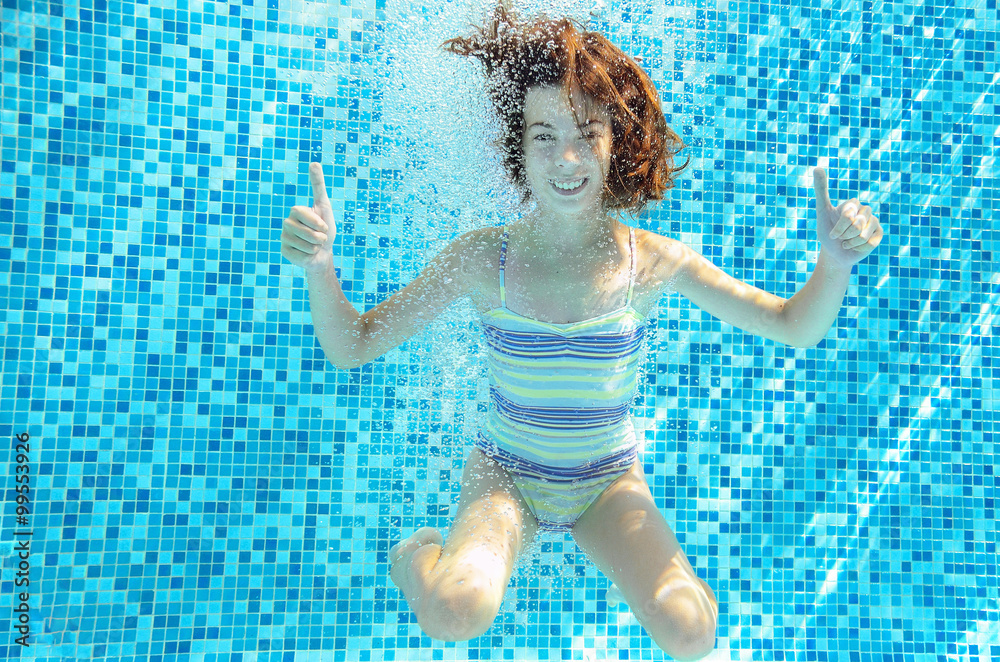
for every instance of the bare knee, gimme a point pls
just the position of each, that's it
(460, 607)
(682, 622)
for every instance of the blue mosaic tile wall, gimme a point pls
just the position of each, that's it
(205, 487)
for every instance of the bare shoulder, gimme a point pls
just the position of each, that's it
(659, 260)
(478, 249)
(474, 256)
(481, 242)
(659, 252)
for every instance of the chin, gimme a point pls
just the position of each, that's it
(556, 202)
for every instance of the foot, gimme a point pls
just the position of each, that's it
(401, 556)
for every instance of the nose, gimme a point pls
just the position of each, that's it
(568, 155)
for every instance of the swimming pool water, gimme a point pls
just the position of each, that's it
(205, 487)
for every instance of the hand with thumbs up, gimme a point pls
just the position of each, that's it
(847, 232)
(307, 234)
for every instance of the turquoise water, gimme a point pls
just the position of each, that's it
(206, 487)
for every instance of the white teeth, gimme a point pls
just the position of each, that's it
(569, 186)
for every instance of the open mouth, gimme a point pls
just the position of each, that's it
(571, 187)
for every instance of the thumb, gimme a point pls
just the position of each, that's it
(820, 185)
(320, 199)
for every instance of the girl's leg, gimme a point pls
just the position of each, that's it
(455, 589)
(629, 540)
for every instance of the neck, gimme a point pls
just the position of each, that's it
(559, 235)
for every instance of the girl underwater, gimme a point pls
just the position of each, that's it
(563, 293)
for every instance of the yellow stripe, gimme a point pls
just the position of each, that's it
(551, 436)
(618, 366)
(564, 329)
(617, 396)
(585, 375)
(561, 449)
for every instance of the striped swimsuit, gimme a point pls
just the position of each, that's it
(560, 397)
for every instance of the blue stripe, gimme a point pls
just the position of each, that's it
(581, 474)
(605, 347)
(577, 418)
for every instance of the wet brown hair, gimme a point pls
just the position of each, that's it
(560, 52)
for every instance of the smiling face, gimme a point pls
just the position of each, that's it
(566, 163)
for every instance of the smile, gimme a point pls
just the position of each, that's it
(568, 187)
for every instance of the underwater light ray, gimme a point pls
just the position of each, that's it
(888, 480)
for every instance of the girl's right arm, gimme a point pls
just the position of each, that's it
(348, 338)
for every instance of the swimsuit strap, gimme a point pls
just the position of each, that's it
(503, 262)
(631, 271)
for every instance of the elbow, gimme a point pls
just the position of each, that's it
(345, 362)
(794, 332)
(345, 353)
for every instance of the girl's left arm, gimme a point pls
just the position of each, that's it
(847, 233)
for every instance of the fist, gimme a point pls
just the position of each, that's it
(307, 234)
